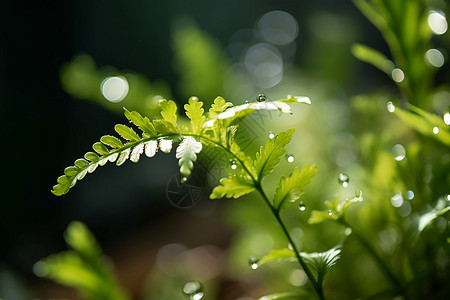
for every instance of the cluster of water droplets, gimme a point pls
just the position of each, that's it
(193, 289)
(233, 164)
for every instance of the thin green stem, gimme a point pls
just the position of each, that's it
(395, 281)
(276, 214)
(305, 267)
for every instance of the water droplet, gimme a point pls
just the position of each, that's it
(261, 98)
(390, 107)
(398, 75)
(399, 152)
(253, 262)
(247, 102)
(435, 130)
(193, 289)
(184, 179)
(194, 98)
(448, 197)
(437, 22)
(233, 164)
(290, 158)
(409, 195)
(301, 206)
(330, 213)
(358, 193)
(447, 118)
(348, 231)
(343, 179)
(397, 200)
(271, 135)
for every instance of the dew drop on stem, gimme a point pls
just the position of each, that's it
(271, 135)
(330, 213)
(358, 193)
(343, 179)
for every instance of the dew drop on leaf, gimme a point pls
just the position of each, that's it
(193, 289)
(343, 179)
(271, 135)
(330, 213)
(301, 206)
(233, 164)
(348, 231)
(253, 262)
(261, 98)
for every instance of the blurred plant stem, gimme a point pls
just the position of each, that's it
(387, 271)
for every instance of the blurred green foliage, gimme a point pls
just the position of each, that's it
(84, 267)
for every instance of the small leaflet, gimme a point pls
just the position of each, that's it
(151, 147)
(92, 167)
(102, 161)
(165, 145)
(124, 155)
(136, 153)
(81, 174)
(113, 157)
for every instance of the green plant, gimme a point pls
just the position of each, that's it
(215, 129)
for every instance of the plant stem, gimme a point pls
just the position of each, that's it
(395, 281)
(305, 267)
(257, 183)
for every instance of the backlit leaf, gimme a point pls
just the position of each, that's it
(290, 188)
(187, 154)
(233, 187)
(269, 156)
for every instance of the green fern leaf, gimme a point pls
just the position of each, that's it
(111, 141)
(100, 148)
(290, 188)
(269, 156)
(187, 154)
(233, 187)
(218, 107)
(322, 261)
(164, 127)
(143, 123)
(169, 111)
(236, 113)
(195, 111)
(127, 133)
